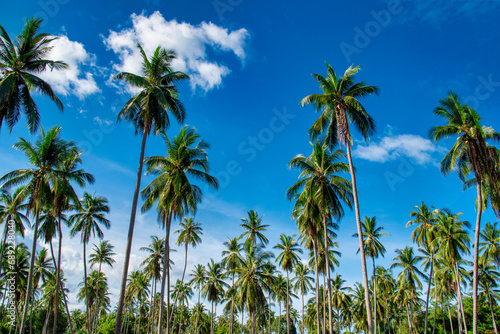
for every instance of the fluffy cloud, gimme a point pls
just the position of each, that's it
(391, 147)
(190, 43)
(72, 80)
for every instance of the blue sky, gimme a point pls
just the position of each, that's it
(250, 64)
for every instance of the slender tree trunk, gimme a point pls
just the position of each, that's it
(459, 300)
(317, 286)
(58, 276)
(492, 313)
(279, 318)
(476, 254)
(286, 305)
(269, 311)
(30, 275)
(97, 301)
(327, 259)
(232, 310)
(360, 236)
(449, 313)
(374, 298)
(182, 281)
(324, 303)
(166, 272)
(435, 310)
(252, 316)
(411, 312)
(89, 329)
(119, 310)
(303, 313)
(428, 293)
(5, 230)
(212, 319)
(198, 313)
(46, 322)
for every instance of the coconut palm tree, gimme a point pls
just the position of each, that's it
(339, 103)
(181, 292)
(254, 229)
(186, 159)
(21, 61)
(488, 283)
(340, 300)
(303, 283)
(46, 156)
(199, 278)
(490, 247)
(189, 234)
(231, 259)
(148, 110)
(87, 223)
(373, 248)
(423, 235)
(102, 254)
(469, 154)
(409, 276)
(288, 259)
(320, 183)
(213, 290)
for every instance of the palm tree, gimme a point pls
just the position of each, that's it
(189, 234)
(199, 279)
(320, 183)
(186, 158)
(147, 110)
(470, 153)
(302, 283)
(340, 300)
(340, 104)
(86, 222)
(21, 61)
(213, 290)
(231, 259)
(253, 229)
(287, 259)
(409, 276)
(373, 248)
(488, 282)
(269, 283)
(46, 156)
(102, 254)
(423, 235)
(181, 292)
(490, 247)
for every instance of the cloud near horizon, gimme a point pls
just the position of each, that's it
(392, 147)
(189, 42)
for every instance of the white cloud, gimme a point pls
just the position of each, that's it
(72, 80)
(391, 147)
(189, 42)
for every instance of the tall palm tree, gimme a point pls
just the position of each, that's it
(488, 282)
(409, 276)
(490, 247)
(181, 292)
(189, 234)
(87, 222)
(269, 283)
(423, 235)
(373, 248)
(46, 156)
(320, 183)
(186, 159)
(199, 278)
(254, 229)
(21, 61)
(231, 259)
(147, 110)
(339, 103)
(340, 300)
(303, 283)
(469, 154)
(288, 258)
(102, 254)
(213, 290)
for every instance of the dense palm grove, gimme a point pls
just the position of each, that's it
(293, 286)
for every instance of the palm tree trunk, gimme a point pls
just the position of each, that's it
(86, 287)
(119, 310)
(96, 302)
(182, 281)
(269, 312)
(303, 313)
(411, 312)
(279, 317)
(5, 230)
(324, 303)
(58, 276)
(428, 293)
(315, 247)
(449, 313)
(198, 313)
(374, 279)
(212, 319)
(232, 311)
(435, 309)
(242, 316)
(459, 300)
(286, 305)
(30, 275)
(476, 254)
(360, 236)
(252, 315)
(46, 322)
(327, 259)
(492, 313)
(166, 269)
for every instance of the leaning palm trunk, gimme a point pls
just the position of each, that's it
(89, 329)
(374, 298)
(492, 313)
(287, 302)
(166, 272)
(30, 276)
(58, 276)
(459, 301)
(476, 253)
(330, 320)
(360, 236)
(198, 313)
(119, 310)
(317, 286)
(449, 313)
(428, 294)
(232, 310)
